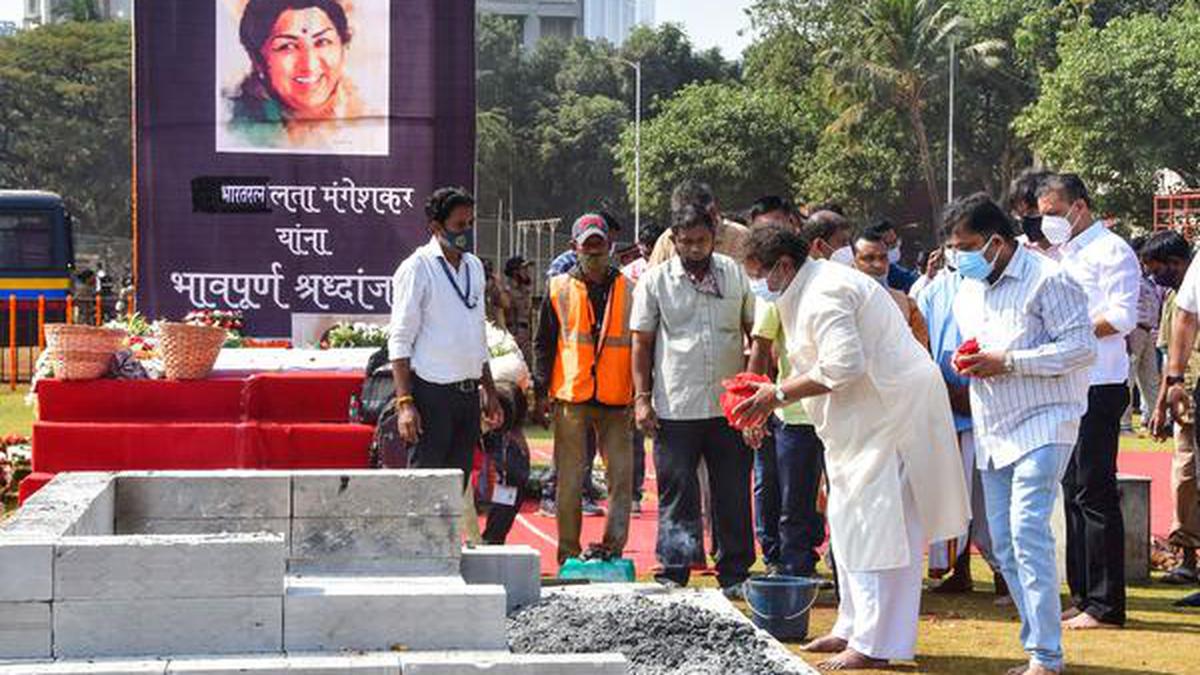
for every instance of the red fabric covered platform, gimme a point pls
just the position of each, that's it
(265, 421)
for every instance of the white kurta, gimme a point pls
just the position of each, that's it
(887, 416)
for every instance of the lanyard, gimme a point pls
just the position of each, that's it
(464, 296)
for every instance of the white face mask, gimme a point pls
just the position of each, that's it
(1057, 229)
(894, 255)
(844, 255)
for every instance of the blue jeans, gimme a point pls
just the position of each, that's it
(787, 480)
(1020, 498)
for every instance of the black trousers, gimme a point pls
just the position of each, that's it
(787, 480)
(677, 452)
(1095, 529)
(449, 426)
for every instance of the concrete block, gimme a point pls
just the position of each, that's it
(381, 613)
(504, 663)
(403, 567)
(292, 664)
(280, 526)
(369, 494)
(99, 517)
(25, 630)
(54, 510)
(1135, 511)
(163, 627)
(89, 667)
(26, 569)
(169, 566)
(193, 495)
(361, 538)
(516, 568)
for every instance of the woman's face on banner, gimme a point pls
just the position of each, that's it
(304, 60)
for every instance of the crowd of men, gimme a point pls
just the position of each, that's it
(938, 409)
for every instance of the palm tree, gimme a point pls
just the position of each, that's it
(899, 52)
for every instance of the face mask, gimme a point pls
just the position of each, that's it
(761, 288)
(1032, 226)
(950, 258)
(593, 265)
(844, 255)
(894, 255)
(463, 241)
(1057, 229)
(696, 267)
(975, 265)
(1165, 280)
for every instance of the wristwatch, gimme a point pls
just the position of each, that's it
(780, 396)
(1173, 380)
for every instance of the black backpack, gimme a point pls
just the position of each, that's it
(377, 407)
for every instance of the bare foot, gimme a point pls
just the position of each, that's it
(1071, 613)
(830, 644)
(849, 659)
(1086, 621)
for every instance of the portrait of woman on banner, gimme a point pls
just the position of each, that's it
(302, 76)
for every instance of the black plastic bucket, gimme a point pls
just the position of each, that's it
(780, 604)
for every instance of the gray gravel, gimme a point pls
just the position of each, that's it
(657, 637)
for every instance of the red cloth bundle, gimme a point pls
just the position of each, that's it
(965, 349)
(738, 389)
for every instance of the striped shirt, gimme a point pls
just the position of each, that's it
(1037, 313)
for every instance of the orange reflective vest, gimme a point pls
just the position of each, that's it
(584, 370)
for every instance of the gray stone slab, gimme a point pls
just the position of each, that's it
(391, 614)
(388, 537)
(88, 667)
(408, 567)
(280, 526)
(99, 518)
(202, 495)
(1135, 511)
(164, 627)
(504, 663)
(517, 568)
(292, 664)
(54, 510)
(25, 630)
(169, 566)
(364, 494)
(26, 569)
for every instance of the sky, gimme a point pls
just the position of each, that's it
(709, 23)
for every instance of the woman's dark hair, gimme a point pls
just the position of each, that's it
(692, 215)
(770, 241)
(1164, 246)
(260, 17)
(980, 214)
(443, 201)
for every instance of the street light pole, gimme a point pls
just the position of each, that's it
(950, 139)
(637, 146)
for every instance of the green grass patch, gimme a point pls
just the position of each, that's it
(15, 416)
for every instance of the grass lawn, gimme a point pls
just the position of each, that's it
(969, 635)
(15, 416)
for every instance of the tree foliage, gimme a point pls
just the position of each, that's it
(65, 121)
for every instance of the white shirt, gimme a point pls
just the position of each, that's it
(431, 325)
(1108, 270)
(1187, 297)
(885, 422)
(1038, 314)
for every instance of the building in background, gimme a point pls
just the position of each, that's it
(614, 20)
(42, 12)
(540, 18)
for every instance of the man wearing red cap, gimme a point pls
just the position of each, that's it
(583, 363)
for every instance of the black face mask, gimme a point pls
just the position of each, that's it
(696, 267)
(1032, 225)
(1166, 280)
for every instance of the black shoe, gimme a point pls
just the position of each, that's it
(591, 508)
(1180, 576)
(1192, 600)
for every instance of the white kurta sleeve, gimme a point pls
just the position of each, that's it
(840, 359)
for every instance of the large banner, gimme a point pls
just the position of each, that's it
(285, 149)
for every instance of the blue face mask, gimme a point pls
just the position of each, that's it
(974, 264)
(761, 288)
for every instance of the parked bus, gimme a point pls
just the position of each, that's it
(37, 260)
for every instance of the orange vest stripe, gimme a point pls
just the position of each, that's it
(584, 371)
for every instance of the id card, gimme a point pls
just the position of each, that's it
(504, 495)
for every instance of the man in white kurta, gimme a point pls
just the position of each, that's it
(880, 406)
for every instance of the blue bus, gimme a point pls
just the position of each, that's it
(37, 259)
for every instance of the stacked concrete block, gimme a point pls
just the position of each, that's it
(505, 663)
(379, 613)
(369, 522)
(204, 502)
(516, 568)
(71, 504)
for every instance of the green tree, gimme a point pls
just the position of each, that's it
(669, 63)
(1123, 102)
(577, 155)
(739, 139)
(65, 121)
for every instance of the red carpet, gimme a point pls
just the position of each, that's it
(541, 532)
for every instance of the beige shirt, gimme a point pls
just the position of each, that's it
(887, 420)
(698, 337)
(731, 241)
